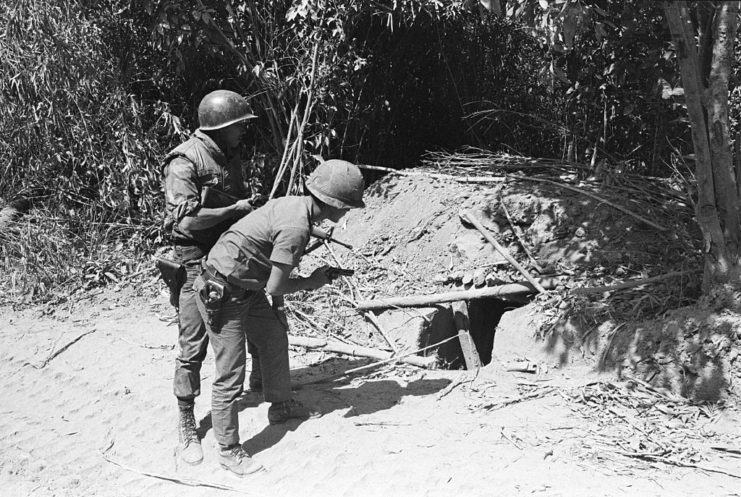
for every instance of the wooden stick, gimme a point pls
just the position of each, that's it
(367, 315)
(632, 283)
(174, 479)
(358, 351)
(43, 364)
(470, 354)
(462, 179)
(468, 216)
(379, 363)
(520, 239)
(674, 462)
(440, 298)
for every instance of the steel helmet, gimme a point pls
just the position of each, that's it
(222, 108)
(337, 183)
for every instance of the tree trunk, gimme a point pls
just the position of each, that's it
(707, 108)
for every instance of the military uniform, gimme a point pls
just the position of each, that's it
(241, 261)
(188, 168)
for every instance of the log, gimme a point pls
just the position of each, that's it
(462, 324)
(468, 216)
(358, 351)
(440, 298)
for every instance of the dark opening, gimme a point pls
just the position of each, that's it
(484, 316)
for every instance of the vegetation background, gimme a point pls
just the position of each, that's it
(94, 92)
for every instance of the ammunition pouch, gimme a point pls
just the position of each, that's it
(174, 276)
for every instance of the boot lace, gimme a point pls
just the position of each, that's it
(188, 429)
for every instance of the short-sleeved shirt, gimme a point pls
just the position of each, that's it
(275, 233)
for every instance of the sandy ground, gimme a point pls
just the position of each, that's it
(100, 416)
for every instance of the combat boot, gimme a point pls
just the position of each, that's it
(280, 412)
(190, 445)
(236, 460)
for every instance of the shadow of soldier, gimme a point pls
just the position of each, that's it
(368, 398)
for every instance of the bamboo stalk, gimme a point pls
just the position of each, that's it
(440, 298)
(468, 215)
(358, 351)
(520, 239)
(307, 113)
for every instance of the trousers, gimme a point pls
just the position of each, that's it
(244, 318)
(193, 341)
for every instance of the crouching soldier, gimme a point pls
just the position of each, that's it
(210, 158)
(253, 258)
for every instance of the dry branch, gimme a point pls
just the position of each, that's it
(520, 239)
(468, 216)
(379, 363)
(439, 298)
(54, 354)
(674, 462)
(358, 351)
(174, 479)
(631, 284)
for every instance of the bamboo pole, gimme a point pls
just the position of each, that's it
(468, 216)
(358, 351)
(440, 298)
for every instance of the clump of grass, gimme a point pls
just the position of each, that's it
(44, 256)
(80, 147)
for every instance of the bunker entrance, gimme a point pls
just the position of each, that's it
(480, 317)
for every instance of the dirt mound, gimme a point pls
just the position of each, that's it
(410, 240)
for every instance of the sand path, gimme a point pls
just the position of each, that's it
(401, 431)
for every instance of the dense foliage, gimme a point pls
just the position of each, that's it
(95, 91)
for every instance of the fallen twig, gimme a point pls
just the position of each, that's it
(367, 314)
(519, 239)
(631, 283)
(469, 217)
(463, 378)
(606, 351)
(376, 364)
(674, 462)
(356, 350)
(46, 361)
(522, 398)
(152, 347)
(174, 479)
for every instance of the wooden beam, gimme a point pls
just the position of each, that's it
(462, 324)
(440, 298)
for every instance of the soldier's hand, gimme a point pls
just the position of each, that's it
(243, 206)
(258, 200)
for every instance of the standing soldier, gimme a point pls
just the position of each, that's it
(253, 257)
(210, 158)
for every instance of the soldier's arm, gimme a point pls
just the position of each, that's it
(183, 192)
(280, 282)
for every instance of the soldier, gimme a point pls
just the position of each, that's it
(210, 158)
(254, 257)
